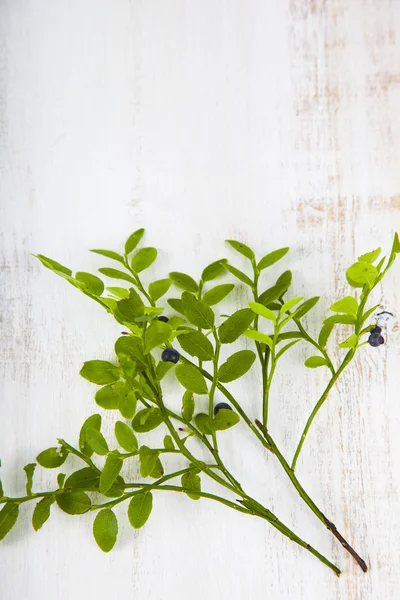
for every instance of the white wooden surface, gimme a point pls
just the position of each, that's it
(272, 122)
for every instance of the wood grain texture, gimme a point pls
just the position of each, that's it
(270, 122)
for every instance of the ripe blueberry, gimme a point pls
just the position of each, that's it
(163, 318)
(375, 340)
(220, 405)
(376, 329)
(170, 355)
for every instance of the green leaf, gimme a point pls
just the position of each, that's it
(53, 265)
(261, 310)
(304, 308)
(29, 471)
(143, 259)
(351, 342)
(187, 406)
(105, 529)
(60, 480)
(289, 304)
(41, 512)
(272, 258)
(162, 369)
(129, 345)
(235, 325)
(8, 518)
(140, 508)
(146, 420)
(96, 441)
(315, 361)
(191, 481)
(168, 443)
(214, 270)
(83, 479)
(361, 273)
(191, 378)
(285, 348)
(396, 244)
(236, 366)
(183, 281)
(370, 257)
(125, 437)
(119, 292)
(197, 344)
(175, 322)
(1, 490)
(93, 284)
(74, 503)
(257, 336)
(224, 419)
(116, 274)
(272, 294)
(369, 312)
(203, 423)
(127, 404)
(148, 458)
(110, 472)
(197, 312)
(109, 397)
(94, 421)
(156, 334)
(242, 249)
(285, 279)
(176, 304)
(133, 241)
(348, 305)
(132, 308)
(324, 334)
(100, 372)
(159, 288)
(288, 335)
(110, 254)
(158, 470)
(239, 275)
(52, 457)
(217, 293)
(341, 319)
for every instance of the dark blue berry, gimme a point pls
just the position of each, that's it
(375, 340)
(218, 407)
(375, 330)
(170, 355)
(163, 318)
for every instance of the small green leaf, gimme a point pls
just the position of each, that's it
(168, 443)
(348, 305)
(176, 304)
(304, 308)
(217, 293)
(191, 481)
(132, 308)
(148, 458)
(133, 241)
(235, 325)
(242, 249)
(158, 470)
(119, 292)
(127, 404)
(224, 419)
(159, 288)
(93, 284)
(143, 259)
(162, 369)
(156, 334)
(74, 503)
(41, 512)
(96, 441)
(146, 420)
(315, 361)
(361, 273)
(272, 258)
(94, 421)
(341, 319)
(110, 254)
(109, 397)
(116, 274)
(100, 372)
(197, 311)
(140, 508)
(191, 378)
(214, 270)
(288, 335)
(60, 480)
(258, 336)
(105, 529)
(285, 348)
(125, 437)
(52, 457)
(187, 406)
(29, 471)
(324, 334)
(236, 365)
(369, 312)
(183, 281)
(83, 479)
(396, 243)
(351, 342)
(129, 345)
(263, 311)
(239, 275)
(272, 294)
(289, 304)
(370, 257)
(197, 344)
(8, 518)
(110, 472)
(203, 424)
(51, 264)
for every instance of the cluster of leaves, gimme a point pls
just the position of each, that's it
(132, 385)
